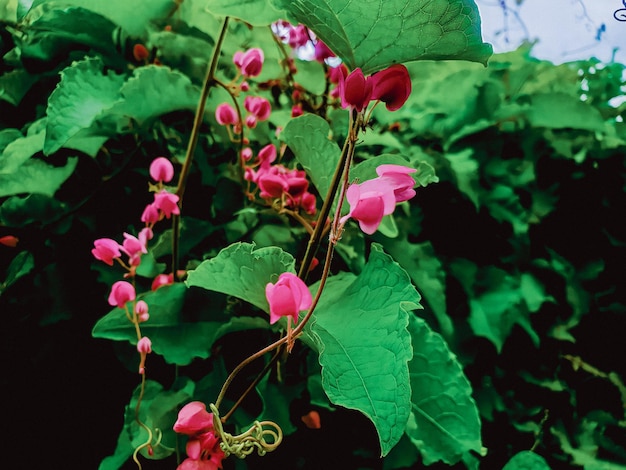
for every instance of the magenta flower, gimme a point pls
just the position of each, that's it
(134, 248)
(193, 419)
(322, 52)
(151, 214)
(272, 185)
(144, 345)
(162, 280)
(161, 169)
(141, 309)
(258, 106)
(397, 176)
(226, 115)
(355, 90)
(167, 203)
(369, 202)
(288, 297)
(106, 250)
(250, 62)
(121, 292)
(392, 86)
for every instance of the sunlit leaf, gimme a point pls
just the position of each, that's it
(255, 12)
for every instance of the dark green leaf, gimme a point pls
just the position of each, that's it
(20, 266)
(374, 306)
(19, 211)
(444, 422)
(35, 176)
(526, 460)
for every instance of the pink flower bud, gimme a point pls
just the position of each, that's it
(288, 297)
(267, 154)
(250, 121)
(392, 86)
(296, 111)
(193, 419)
(245, 86)
(121, 292)
(166, 203)
(246, 154)
(144, 345)
(106, 250)
(308, 202)
(355, 90)
(226, 115)
(162, 280)
(141, 307)
(161, 169)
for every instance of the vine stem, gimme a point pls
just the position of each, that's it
(209, 82)
(340, 174)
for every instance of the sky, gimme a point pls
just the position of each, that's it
(566, 30)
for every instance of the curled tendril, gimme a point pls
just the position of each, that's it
(244, 444)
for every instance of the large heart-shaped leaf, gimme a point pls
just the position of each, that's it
(373, 34)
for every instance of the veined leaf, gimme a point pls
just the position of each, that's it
(243, 272)
(359, 325)
(444, 422)
(307, 137)
(373, 34)
(83, 93)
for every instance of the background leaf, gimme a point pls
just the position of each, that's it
(373, 34)
(444, 421)
(307, 137)
(372, 306)
(36, 176)
(526, 460)
(255, 12)
(243, 272)
(83, 93)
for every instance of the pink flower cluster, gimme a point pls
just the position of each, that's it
(371, 200)
(288, 297)
(203, 448)
(258, 109)
(275, 181)
(165, 203)
(108, 250)
(301, 39)
(392, 86)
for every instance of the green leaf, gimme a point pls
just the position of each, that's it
(359, 324)
(444, 422)
(526, 460)
(20, 266)
(83, 93)
(35, 176)
(21, 149)
(373, 34)
(307, 137)
(255, 12)
(241, 271)
(560, 111)
(153, 91)
(15, 84)
(176, 332)
(19, 211)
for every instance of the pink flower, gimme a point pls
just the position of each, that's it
(246, 154)
(150, 214)
(369, 202)
(271, 185)
(121, 292)
(134, 248)
(322, 52)
(162, 280)
(250, 62)
(161, 169)
(226, 115)
(296, 111)
(11, 241)
(336, 73)
(258, 106)
(167, 203)
(144, 345)
(397, 176)
(106, 250)
(355, 90)
(141, 309)
(392, 86)
(193, 419)
(288, 297)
